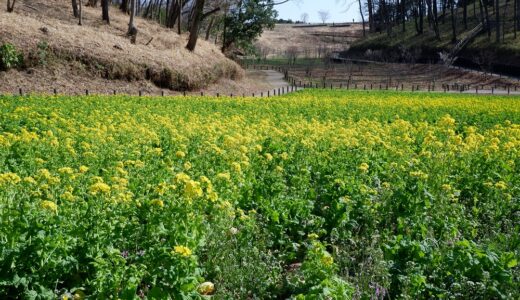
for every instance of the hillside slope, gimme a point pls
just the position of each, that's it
(69, 57)
(309, 41)
(483, 52)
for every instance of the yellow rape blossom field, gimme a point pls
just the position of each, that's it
(313, 195)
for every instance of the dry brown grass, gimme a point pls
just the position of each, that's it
(307, 39)
(103, 51)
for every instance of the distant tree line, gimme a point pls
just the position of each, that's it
(388, 16)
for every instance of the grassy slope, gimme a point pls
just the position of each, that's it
(96, 50)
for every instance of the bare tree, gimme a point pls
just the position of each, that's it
(362, 17)
(132, 30)
(75, 8)
(80, 15)
(304, 18)
(124, 6)
(324, 15)
(104, 7)
(10, 5)
(497, 19)
(292, 54)
(194, 28)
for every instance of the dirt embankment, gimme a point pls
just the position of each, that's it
(60, 54)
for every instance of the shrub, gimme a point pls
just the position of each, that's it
(9, 57)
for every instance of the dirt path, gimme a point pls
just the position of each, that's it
(267, 78)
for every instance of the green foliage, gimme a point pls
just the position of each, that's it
(246, 22)
(42, 53)
(9, 57)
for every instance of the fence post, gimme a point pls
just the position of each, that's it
(86, 92)
(116, 92)
(218, 95)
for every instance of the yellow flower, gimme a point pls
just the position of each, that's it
(67, 196)
(327, 259)
(66, 171)
(213, 196)
(182, 251)
(187, 166)
(157, 202)
(236, 167)
(9, 178)
(419, 174)
(49, 205)
(206, 288)
(179, 154)
(313, 236)
(99, 187)
(29, 180)
(268, 156)
(181, 177)
(363, 167)
(83, 169)
(192, 189)
(224, 176)
(501, 185)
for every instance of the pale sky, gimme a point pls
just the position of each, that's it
(338, 11)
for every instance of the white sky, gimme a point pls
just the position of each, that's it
(339, 10)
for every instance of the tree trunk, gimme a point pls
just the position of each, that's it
(497, 19)
(362, 17)
(80, 17)
(179, 17)
(104, 7)
(432, 13)
(10, 5)
(194, 28)
(124, 6)
(421, 17)
(516, 17)
(453, 21)
(210, 26)
(370, 7)
(488, 22)
(132, 30)
(465, 13)
(75, 8)
(403, 12)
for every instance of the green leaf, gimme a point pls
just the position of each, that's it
(512, 263)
